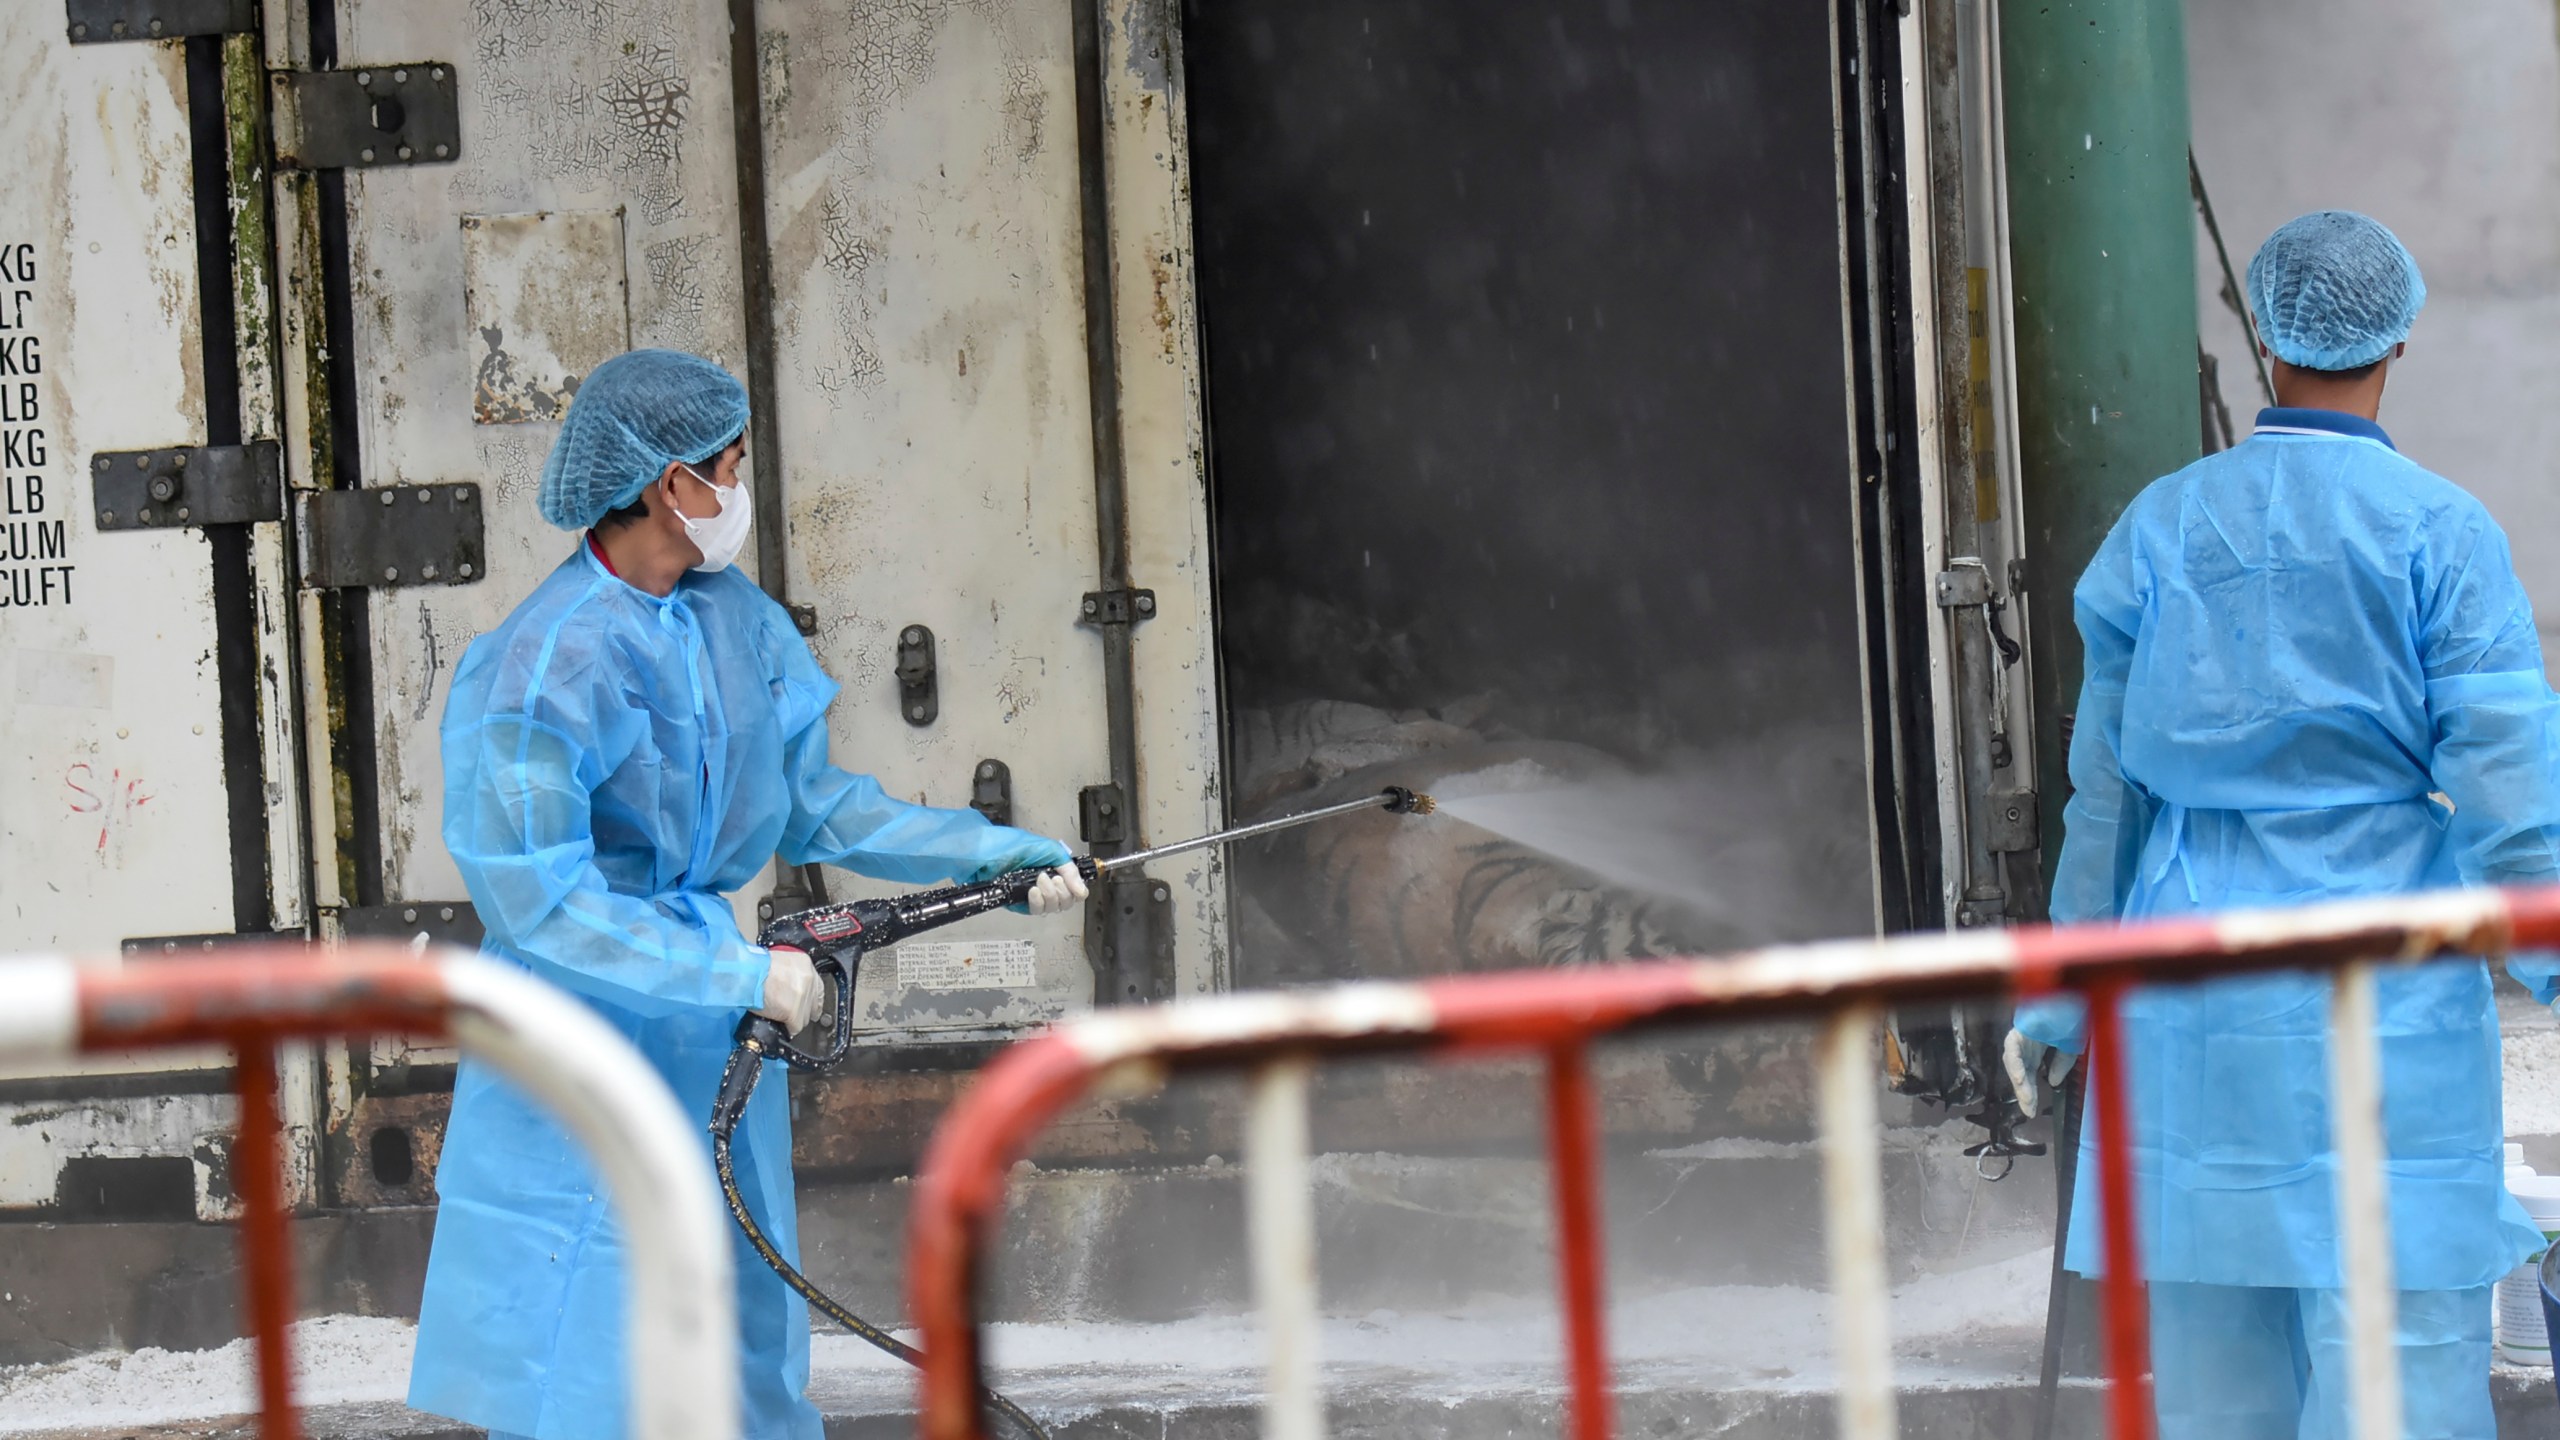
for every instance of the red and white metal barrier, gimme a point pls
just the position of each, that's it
(1277, 1036)
(683, 1332)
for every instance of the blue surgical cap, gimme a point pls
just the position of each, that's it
(2334, 290)
(634, 415)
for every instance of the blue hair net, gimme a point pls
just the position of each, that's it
(2334, 290)
(636, 414)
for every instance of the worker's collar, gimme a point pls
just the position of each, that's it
(2286, 420)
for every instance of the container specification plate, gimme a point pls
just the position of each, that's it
(967, 964)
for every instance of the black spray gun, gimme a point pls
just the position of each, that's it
(836, 937)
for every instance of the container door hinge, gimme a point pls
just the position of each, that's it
(173, 945)
(354, 117)
(438, 922)
(102, 22)
(187, 486)
(392, 535)
(1129, 930)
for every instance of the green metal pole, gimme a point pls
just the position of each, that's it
(2102, 250)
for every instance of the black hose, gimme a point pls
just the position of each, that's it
(818, 1299)
(2066, 1165)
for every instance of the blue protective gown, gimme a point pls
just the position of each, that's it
(2294, 648)
(614, 764)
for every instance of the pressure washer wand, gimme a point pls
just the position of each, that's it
(1395, 800)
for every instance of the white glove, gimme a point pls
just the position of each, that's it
(2034, 1069)
(1060, 889)
(792, 989)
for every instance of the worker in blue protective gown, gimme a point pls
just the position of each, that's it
(638, 739)
(2311, 673)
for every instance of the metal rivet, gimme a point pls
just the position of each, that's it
(79, 32)
(155, 27)
(917, 713)
(179, 459)
(446, 913)
(146, 515)
(464, 569)
(466, 496)
(1092, 606)
(406, 153)
(409, 915)
(365, 154)
(106, 517)
(364, 77)
(1146, 604)
(390, 572)
(116, 29)
(436, 73)
(102, 462)
(400, 77)
(390, 497)
(429, 573)
(183, 513)
(988, 770)
(442, 151)
(1162, 894)
(915, 637)
(142, 461)
(426, 495)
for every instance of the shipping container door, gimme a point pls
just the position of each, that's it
(145, 712)
(1545, 476)
(929, 470)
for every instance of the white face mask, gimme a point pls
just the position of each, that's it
(721, 537)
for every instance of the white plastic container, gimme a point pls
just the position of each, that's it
(2522, 1338)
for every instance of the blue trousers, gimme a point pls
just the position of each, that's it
(2239, 1362)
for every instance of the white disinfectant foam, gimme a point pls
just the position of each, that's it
(1716, 1335)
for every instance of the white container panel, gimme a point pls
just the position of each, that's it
(928, 267)
(110, 727)
(577, 113)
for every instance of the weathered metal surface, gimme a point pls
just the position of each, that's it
(184, 486)
(403, 113)
(1164, 454)
(38, 1138)
(547, 295)
(922, 204)
(104, 22)
(392, 535)
(586, 108)
(109, 714)
(1757, 1085)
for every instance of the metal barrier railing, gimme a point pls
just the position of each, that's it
(683, 1331)
(1277, 1036)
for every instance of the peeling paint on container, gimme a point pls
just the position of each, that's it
(547, 296)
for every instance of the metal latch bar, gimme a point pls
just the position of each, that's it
(442, 922)
(187, 486)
